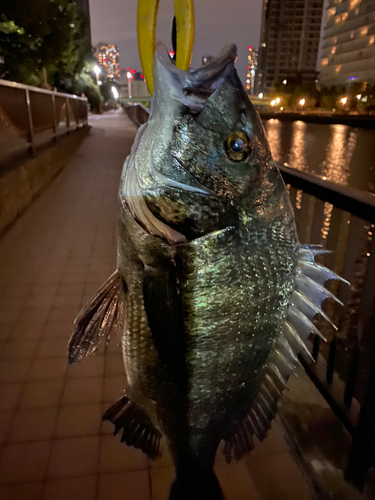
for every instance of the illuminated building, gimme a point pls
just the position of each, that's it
(251, 67)
(348, 43)
(108, 59)
(289, 41)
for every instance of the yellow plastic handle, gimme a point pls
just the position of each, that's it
(146, 27)
(184, 12)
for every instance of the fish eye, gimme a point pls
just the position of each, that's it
(238, 146)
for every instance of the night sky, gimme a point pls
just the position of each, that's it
(217, 22)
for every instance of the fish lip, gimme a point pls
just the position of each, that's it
(202, 81)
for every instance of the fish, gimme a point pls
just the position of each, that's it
(213, 296)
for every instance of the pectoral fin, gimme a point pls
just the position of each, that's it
(98, 319)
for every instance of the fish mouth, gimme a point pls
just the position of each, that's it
(192, 88)
(173, 87)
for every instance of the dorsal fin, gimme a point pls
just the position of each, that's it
(305, 303)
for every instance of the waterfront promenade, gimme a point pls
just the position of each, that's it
(53, 444)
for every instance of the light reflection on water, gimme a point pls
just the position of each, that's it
(340, 153)
(297, 156)
(336, 166)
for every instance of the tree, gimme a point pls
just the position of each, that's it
(83, 83)
(41, 42)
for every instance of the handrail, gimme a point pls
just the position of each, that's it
(30, 117)
(362, 203)
(16, 85)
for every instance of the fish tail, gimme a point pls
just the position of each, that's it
(203, 486)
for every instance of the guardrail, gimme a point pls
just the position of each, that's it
(342, 220)
(30, 116)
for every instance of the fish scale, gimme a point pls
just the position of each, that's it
(213, 295)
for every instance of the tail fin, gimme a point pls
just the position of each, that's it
(200, 487)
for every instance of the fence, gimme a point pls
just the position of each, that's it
(30, 116)
(341, 219)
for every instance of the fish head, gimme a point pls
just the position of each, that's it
(202, 161)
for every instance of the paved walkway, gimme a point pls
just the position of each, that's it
(53, 446)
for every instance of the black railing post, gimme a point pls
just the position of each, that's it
(351, 379)
(361, 456)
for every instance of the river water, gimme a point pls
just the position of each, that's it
(340, 153)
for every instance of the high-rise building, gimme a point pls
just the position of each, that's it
(109, 60)
(348, 44)
(252, 61)
(289, 41)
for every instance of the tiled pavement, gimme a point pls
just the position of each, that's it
(53, 445)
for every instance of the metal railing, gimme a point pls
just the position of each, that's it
(30, 116)
(341, 219)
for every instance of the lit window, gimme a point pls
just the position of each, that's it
(324, 61)
(338, 68)
(354, 4)
(333, 50)
(364, 30)
(371, 40)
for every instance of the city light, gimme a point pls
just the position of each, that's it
(273, 103)
(285, 82)
(260, 95)
(344, 100)
(97, 70)
(358, 96)
(108, 59)
(302, 102)
(114, 92)
(277, 100)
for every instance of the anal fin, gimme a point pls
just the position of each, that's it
(137, 428)
(98, 319)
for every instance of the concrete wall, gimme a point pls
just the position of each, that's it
(21, 185)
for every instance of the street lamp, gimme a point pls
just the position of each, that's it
(97, 72)
(344, 100)
(273, 103)
(114, 92)
(130, 76)
(302, 102)
(285, 82)
(277, 100)
(358, 96)
(260, 95)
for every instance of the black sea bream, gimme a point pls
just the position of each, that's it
(213, 294)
